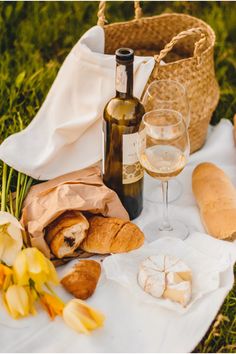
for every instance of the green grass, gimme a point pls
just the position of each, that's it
(35, 38)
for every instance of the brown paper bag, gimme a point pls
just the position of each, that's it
(82, 190)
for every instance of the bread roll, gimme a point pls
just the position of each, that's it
(111, 235)
(216, 198)
(65, 234)
(82, 280)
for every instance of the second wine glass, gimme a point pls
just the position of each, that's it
(163, 149)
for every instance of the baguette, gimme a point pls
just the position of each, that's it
(216, 198)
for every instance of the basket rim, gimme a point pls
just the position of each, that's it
(168, 14)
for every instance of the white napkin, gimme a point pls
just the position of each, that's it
(205, 269)
(65, 134)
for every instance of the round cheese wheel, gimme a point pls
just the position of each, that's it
(166, 276)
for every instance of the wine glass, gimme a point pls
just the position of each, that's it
(165, 94)
(163, 149)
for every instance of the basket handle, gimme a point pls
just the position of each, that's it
(101, 12)
(183, 34)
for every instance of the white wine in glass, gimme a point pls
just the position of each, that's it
(163, 162)
(165, 94)
(163, 150)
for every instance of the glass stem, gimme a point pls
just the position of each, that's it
(165, 222)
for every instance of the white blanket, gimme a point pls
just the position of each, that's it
(65, 134)
(131, 325)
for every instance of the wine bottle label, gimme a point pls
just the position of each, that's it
(132, 169)
(121, 79)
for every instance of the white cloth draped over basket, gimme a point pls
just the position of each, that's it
(65, 134)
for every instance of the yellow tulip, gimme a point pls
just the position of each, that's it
(33, 296)
(17, 302)
(11, 240)
(52, 304)
(81, 317)
(5, 276)
(30, 263)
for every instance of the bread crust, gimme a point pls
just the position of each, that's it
(82, 280)
(216, 198)
(111, 235)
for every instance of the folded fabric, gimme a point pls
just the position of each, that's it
(82, 190)
(65, 134)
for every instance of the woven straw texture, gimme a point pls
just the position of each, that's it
(186, 44)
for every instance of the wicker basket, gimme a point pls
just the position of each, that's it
(186, 44)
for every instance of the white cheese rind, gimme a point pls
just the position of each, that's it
(167, 277)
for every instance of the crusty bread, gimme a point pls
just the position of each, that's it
(65, 234)
(111, 235)
(216, 198)
(81, 281)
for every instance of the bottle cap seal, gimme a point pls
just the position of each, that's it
(124, 55)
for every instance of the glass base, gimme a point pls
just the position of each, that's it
(153, 231)
(153, 191)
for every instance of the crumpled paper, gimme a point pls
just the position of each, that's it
(205, 270)
(81, 190)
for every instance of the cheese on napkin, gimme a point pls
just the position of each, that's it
(167, 277)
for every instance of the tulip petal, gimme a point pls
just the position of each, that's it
(94, 315)
(5, 276)
(6, 218)
(11, 240)
(2, 244)
(35, 262)
(17, 301)
(15, 233)
(20, 269)
(81, 317)
(72, 320)
(53, 305)
(10, 244)
(8, 249)
(97, 316)
(33, 296)
(52, 274)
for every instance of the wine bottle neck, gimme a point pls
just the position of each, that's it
(124, 80)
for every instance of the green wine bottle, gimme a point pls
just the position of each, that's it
(122, 116)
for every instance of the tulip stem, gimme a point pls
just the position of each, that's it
(22, 188)
(24, 191)
(11, 203)
(22, 194)
(9, 180)
(17, 195)
(4, 187)
(23, 185)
